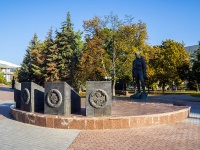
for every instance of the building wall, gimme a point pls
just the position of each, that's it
(191, 49)
(7, 74)
(8, 69)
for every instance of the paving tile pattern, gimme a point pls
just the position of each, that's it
(19, 136)
(181, 136)
(6, 93)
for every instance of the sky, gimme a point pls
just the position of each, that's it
(178, 20)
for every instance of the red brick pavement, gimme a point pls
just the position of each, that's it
(6, 93)
(181, 136)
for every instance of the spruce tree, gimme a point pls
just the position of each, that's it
(44, 61)
(50, 52)
(25, 73)
(69, 44)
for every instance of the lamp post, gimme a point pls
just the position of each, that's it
(106, 78)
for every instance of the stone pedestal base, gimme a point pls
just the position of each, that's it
(17, 95)
(60, 99)
(32, 97)
(140, 95)
(98, 98)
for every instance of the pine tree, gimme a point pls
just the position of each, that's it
(68, 44)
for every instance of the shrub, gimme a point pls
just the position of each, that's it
(2, 78)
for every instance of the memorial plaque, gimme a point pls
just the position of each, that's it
(17, 95)
(61, 99)
(98, 98)
(32, 97)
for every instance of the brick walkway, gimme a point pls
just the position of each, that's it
(6, 93)
(19, 136)
(182, 136)
(16, 135)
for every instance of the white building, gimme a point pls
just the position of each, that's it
(191, 49)
(8, 69)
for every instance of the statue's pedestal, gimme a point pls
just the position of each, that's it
(140, 96)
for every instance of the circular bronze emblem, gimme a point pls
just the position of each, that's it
(25, 96)
(98, 98)
(54, 98)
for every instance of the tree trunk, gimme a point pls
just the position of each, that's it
(114, 75)
(197, 87)
(148, 85)
(163, 88)
(113, 87)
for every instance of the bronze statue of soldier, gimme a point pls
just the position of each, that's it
(139, 76)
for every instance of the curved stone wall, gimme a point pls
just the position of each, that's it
(94, 123)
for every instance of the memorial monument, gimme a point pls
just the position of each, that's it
(98, 98)
(32, 97)
(139, 76)
(17, 95)
(60, 99)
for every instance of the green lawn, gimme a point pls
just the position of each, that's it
(191, 92)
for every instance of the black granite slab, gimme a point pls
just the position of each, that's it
(32, 97)
(98, 98)
(17, 95)
(60, 99)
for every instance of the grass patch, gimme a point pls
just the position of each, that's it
(191, 92)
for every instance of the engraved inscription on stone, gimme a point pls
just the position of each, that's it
(54, 98)
(25, 96)
(98, 98)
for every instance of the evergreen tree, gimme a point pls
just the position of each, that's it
(45, 62)
(50, 52)
(68, 44)
(37, 64)
(25, 73)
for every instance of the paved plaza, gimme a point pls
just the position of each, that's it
(15, 135)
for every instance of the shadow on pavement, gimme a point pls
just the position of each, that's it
(5, 110)
(7, 89)
(195, 113)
